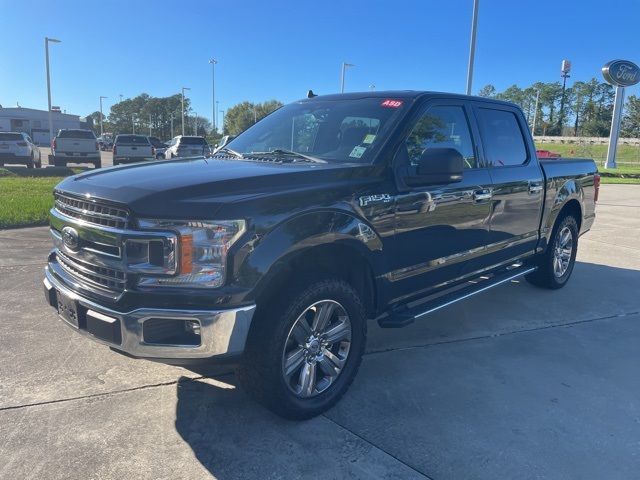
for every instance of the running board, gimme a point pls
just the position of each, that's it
(401, 318)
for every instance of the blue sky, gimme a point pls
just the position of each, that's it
(279, 49)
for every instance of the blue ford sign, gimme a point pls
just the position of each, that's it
(621, 73)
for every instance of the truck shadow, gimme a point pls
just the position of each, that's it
(234, 437)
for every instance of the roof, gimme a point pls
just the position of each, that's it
(22, 112)
(403, 94)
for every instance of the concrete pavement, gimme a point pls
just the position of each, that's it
(515, 383)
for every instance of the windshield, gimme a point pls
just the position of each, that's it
(331, 130)
(10, 136)
(131, 140)
(192, 141)
(76, 134)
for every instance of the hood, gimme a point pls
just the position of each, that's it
(198, 187)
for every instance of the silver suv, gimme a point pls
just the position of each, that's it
(187, 146)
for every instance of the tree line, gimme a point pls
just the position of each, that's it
(584, 109)
(162, 116)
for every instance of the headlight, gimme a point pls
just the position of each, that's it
(202, 251)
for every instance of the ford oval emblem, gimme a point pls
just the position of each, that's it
(70, 238)
(621, 73)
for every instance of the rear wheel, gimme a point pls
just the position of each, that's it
(556, 264)
(60, 163)
(304, 351)
(97, 164)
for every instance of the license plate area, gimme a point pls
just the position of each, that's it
(68, 309)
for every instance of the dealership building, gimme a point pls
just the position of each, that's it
(36, 122)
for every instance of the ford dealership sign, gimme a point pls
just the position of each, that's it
(621, 73)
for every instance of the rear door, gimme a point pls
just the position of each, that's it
(440, 229)
(518, 182)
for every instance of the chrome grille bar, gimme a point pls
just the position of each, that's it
(102, 277)
(92, 211)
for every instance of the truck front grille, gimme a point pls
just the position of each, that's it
(92, 211)
(93, 275)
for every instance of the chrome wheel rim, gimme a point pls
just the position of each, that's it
(316, 349)
(563, 250)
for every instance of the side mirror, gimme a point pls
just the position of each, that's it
(436, 166)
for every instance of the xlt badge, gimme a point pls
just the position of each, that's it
(379, 198)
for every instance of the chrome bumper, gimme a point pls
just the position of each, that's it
(222, 332)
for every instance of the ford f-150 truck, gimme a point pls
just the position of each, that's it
(75, 146)
(332, 210)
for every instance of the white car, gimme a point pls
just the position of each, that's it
(132, 148)
(187, 146)
(75, 146)
(17, 147)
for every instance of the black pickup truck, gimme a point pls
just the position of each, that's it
(333, 210)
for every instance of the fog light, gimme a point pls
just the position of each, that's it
(192, 326)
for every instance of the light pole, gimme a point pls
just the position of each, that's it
(372, 87)
(344, 68)
(195, 123)
(222, 120)
(101, 131)
(46, 52)
(133, 125)
(183, 89)
(120, 97)
(172, 125)
(472, 46)
(213, 62)
(149, 124)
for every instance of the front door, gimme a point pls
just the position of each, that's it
(518, 182)
(439, 228)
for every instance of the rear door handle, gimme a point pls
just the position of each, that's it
(482, 195)
(535, 188)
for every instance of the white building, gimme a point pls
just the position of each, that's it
(35, 122)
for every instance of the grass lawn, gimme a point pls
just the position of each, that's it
(25, 201)
(626, 155)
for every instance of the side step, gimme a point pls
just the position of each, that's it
(403, 317)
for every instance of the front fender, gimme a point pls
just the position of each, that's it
(271, 253)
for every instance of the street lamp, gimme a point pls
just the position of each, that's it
(213, 62)
(120, 97)
(344, 67)
(372, 87)
(195, 122)
(472, 46)
(222, 121)
(46, 51)
(101, 131)
(183, 89)
(133, 124)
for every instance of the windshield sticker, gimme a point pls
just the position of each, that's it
(369, 138)
(392, 103)
(357, 151)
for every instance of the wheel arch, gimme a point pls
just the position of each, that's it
(325, 243)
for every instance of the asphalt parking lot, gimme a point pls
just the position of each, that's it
(105, 157)
(515, 383)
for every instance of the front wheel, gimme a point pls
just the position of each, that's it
(304, 351)
(556, 264)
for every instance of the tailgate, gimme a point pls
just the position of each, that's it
(75, 145)
(134, 151)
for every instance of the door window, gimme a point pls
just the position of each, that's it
(442, 127)
(502, 138)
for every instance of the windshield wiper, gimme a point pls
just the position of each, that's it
(280, 152)
(227, 150)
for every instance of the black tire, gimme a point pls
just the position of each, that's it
(116, 163)
(260, 372)
(60, 163)
(30, 164)
(97, 164)
(545, 276)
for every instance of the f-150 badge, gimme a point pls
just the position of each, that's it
(379, 198)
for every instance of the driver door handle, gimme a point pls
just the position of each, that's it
(482, 195)
(535, 188)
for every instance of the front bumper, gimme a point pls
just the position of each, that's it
(223, 333)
